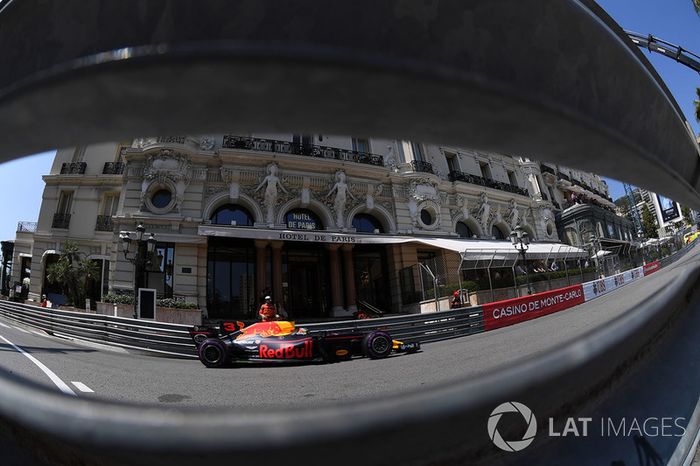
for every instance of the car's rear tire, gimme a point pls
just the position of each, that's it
(377, 345)
(212, 353)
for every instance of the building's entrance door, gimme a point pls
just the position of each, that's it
(304, 292)
(305, 284)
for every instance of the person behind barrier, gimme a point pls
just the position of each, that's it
(456, 301)
(267, 310)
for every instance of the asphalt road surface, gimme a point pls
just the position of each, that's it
(89, 370)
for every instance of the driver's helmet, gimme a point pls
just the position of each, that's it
(301, 331)
(268, 298)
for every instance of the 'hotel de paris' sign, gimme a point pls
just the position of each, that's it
(311, 236)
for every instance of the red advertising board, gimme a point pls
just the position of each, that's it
(512, 311)
(651, 267)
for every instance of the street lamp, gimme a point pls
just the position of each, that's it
(138, 251)
(521, 241)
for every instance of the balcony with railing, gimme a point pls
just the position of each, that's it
(61, 221)
(104, 223)
(113, 168)
(26, 227)
(307, 150)
(546, 169)
(489, 183)
(73, 168)
(422, 166)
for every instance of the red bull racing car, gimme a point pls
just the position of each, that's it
(282, 341)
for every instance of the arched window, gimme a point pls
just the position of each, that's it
(497, 233)
(230, 213)
(365, 223)
(302, 219)
(464, 231)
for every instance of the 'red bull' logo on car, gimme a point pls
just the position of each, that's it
(300, 350)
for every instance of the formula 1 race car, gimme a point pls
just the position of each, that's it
(282, 341)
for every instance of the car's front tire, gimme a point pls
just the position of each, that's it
(212, 353)
(377, 345)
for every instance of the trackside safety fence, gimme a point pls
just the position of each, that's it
(173, 339)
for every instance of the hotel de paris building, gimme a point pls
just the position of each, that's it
(319, 222)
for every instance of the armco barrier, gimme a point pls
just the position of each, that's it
(173, 339)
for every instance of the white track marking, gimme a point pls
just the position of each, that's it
(54, 378)
(3, 325)
(82, 387)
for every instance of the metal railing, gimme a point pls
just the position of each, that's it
(154, 337)
(473, 179)
(103, 223)
(113, 168)
(60, 221)
(73, 168)
(422, 166)
(26, 227)
(308, 150)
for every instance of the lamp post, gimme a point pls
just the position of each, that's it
(521, 241)
(139, 251)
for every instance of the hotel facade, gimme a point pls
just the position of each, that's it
(322, 223)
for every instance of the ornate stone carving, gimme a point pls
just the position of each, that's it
(206, 143)
(463, 206)
(484, 212)
(424, 189)
(168, 167)
(340, 188)
(513, 215)
(272, 184)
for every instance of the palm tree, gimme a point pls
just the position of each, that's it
(696, 4)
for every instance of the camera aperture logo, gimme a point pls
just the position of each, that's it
(581, 426)
(512, 445)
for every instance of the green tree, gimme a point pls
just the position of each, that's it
(697, 103)
(74, 273)
(685, 211)
(649, 223)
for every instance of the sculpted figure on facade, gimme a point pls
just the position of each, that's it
(484, 211)
(340, 188)
(514, 215)
(272, 183)
(463, 206)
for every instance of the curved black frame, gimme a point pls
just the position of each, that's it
(412, 70)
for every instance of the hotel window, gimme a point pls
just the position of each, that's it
(305, 141)
(78, 154)
(110, 204)
(65, 199)
(452, 162)
(464, 231)
(417, 150)
(360, 145)
(485, 170)
(231, 214)
(365, 223)
(512, 178)
(160, 275)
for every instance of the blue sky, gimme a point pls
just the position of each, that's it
(674, 21)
